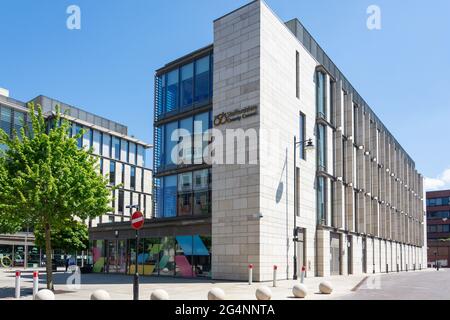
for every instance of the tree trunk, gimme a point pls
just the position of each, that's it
(48, 252)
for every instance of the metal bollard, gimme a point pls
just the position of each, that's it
(35, 283)
(406, 267)
(387, 268)
(302, 274)
(250, 274)
(17, 295)
(398, 268)
(274, 276)
(136, 286)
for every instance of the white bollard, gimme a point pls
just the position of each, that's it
(35, 283)
(302, 275)
(216, 294)
(45, 294)
(299, 291)
(17, 295)
(250, 274)
(274, 276)
(100, 295)
(263, 293)
(159, 294)
(325, 287)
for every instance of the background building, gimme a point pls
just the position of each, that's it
(438, 226)
(121, 157)
(355, 205)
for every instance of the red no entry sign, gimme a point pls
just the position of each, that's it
(137, 220)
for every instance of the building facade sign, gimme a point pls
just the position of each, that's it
(236, 115)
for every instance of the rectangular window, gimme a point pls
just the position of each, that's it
(187, 85)
(201, 125)
(91, 138)
(112, 172)
(169, 145)
(202, 80)
(101, 143)
(185, 194)
(185, 138)
(116, 144)
(321, 200)
(19, 118)
(121, 201)
(5, 120)
(320, 95)
(302, 136)
(136, 154)
(202, 192)
(321, 147)
(123, 173)
(78, 128)
(133, 178)
(170, 196)
(172, 91)
(106, 145)
(297, 74)
(128, 150)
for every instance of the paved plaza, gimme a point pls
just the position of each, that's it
(425, 284)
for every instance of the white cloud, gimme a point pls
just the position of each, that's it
(442, 181)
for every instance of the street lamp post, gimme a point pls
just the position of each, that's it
(309, 145)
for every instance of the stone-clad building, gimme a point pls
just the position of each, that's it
(323, 171)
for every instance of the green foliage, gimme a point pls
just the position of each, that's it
(46, 180)
(71, 237)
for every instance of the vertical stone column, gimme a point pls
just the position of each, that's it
(236, 232)
(349, 163)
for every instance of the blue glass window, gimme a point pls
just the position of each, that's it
(202, 80)
(112, 172)
(321, 203)
(132, 178)
(116, 144)
(172, 91)
(19, 118)
(169, 145)
(302, 136)
(187, 85)
(78, 128)
(320, 95)
(186, 139)
(321, 147)
(5, 120)
(170, 196)
(201, 125)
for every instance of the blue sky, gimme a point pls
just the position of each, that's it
(107, 67)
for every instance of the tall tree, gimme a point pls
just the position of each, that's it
(71, 237)
(46, 179)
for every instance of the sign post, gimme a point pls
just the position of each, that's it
(137, 221)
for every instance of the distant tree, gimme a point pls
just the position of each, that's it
(71, 237)
(46, 180)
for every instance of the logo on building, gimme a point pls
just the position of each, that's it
(236, 115)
